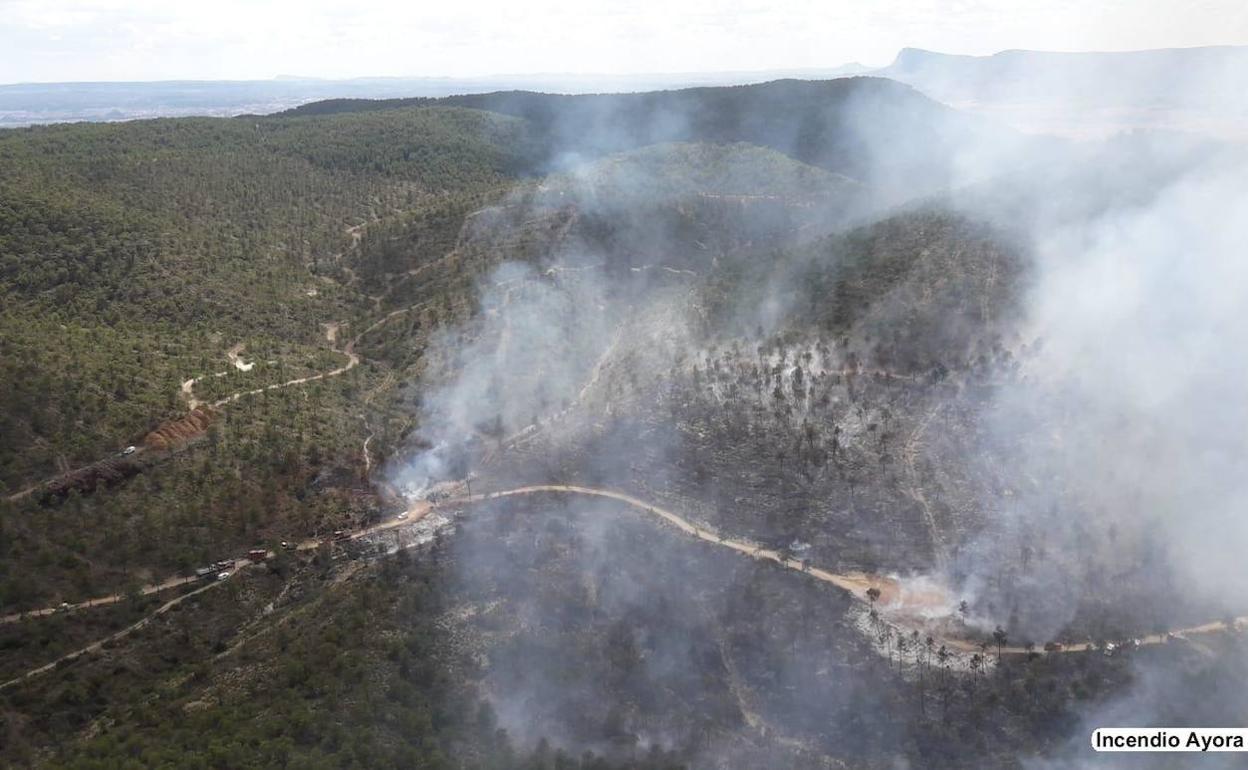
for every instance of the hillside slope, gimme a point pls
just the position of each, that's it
(872, 129)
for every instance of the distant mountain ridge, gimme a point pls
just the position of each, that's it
(1189, 77)
(1077, 94)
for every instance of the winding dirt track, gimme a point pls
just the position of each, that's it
(353, 360)
(187, 390)
(911, 453)
(856, 583)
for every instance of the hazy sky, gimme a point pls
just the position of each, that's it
(54, 40)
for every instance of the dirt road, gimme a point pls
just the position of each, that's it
(353, 360)
(98, 645)
(102, 601)
(23, 493)
(856, 583)
(28, 491)
(415, 513)
(911, 454)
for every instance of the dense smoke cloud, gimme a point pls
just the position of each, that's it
(1128, 432)
(1091, 95)
(532, 346)
(1118, 440)
(1125, 422)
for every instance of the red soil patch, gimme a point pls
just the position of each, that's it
(171, 433)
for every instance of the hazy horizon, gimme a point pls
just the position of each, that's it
(73, 41)
(838, 69)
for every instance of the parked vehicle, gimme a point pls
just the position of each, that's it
(223, 575)
(204, 572)
(257, 555)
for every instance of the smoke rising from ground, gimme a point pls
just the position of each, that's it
(1124, 421)
(1127, 434)
(1121, 440)
(533, 344)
